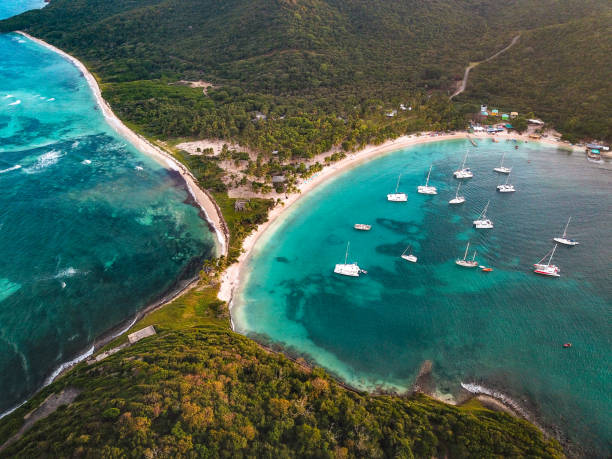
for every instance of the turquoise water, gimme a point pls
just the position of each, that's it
(10, 8)
(91, 230)
(502, 330)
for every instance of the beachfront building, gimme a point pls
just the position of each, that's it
(513, 115)
(240, 205)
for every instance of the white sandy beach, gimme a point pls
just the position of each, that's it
(231, 278)
(203, 199)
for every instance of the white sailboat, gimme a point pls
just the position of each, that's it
(547, 269)
(362, 227)
(467, 263)
(426, 189)
(482, 222)
(348, 269)
(564, 239)
(397, 197)
(463, 172)
(505, 188)
(502, 169)
(457, 199)
(410, 256)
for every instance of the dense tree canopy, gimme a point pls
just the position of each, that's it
(208, 392)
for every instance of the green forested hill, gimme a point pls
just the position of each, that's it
(562, 72)
(208, 392)
(309, 62)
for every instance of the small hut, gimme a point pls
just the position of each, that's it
(240, 205)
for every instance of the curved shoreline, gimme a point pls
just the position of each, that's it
(204, 200)
(231, 279)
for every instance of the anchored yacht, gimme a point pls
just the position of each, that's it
(503, 169)
(547, 269)
(397, 197)
(457, 199)
(348, 269)
(564, 239)
(505, 188)
(467, 263)
(463, 172)
(426, 189)
(482, 222)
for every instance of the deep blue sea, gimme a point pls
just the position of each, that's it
(502, 330)
(91, 230)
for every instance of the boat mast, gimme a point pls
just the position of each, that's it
(484, 212)
(552, 253)
(347, 250)
(466, 251)
(457, 192)
(502, 161)
(507, 178)
(565, 230)
(474, 256)
(398, 180)
(464, 159)
(427, 181)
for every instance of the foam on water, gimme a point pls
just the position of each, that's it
(69, 236)
(7, 288)
(504, 329)
(14, 168)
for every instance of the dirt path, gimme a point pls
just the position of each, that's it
(51, 403)
(474, 64)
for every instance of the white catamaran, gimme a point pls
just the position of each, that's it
(397, 197)
(346, 269)
(426, 189)
(463, 172)
(482, 222)
(457, 199)
(502, 169)
(547, 269)
(505, 188)
(564, 239)
(410, 256)
(467, 263)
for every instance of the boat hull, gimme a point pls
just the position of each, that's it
(427, 190)
(463, 174)
(502, 170)
(362, 227)
(466, 263)
(397, 197)
(459, 200)
(506, 188)
(411, 258)
(564, 241)
(351, 270)
(547, 270)
(483, 224)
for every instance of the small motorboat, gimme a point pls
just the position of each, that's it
(485, 269)
(362, 227)
(566, 345)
